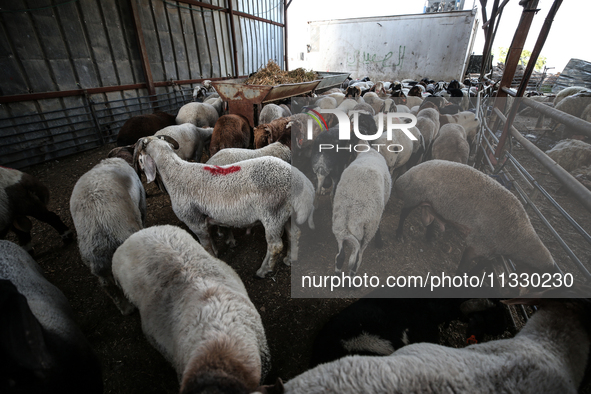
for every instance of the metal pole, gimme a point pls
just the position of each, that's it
(515, 52)
(94, 118)
(233, 35)
(575, 187)
(488, 32)
(285, 55)
(561, 117)
(143, 50)
(527, 74)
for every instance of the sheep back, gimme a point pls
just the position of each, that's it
(142, 126)
(194, 308)
(490, 217)
(189, 138)
(108, 204)
(230, 131)
(466, 119)
(200, 114)
(234, 155)
(269, 113)
(451, 144)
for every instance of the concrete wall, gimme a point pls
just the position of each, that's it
(436, 46)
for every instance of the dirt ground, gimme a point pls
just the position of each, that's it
(131, 365)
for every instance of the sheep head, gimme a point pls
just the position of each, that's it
(143, 161)
(263, 136)
(123, 152)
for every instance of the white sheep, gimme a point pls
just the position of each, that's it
(339, 97)
(217, 103)
(43, 349)
(200, 114)
(264, 189)
(270, 112)
(194, 309)
(347, 105)
(549, 355)
(466, 119)
(234, 155)
(378, 104)
(567, 92)
(108, 204)
(412, 101)
(428, 124)
(191, 139)
(326, 102)
(451, 144)
(396, 152)
(360, 199)
(490, 217)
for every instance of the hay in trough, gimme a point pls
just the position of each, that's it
(272, 75)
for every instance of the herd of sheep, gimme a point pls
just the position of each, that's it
(195, 309)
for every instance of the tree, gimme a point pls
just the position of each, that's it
(524, 58)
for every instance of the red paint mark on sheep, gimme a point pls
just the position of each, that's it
(217, 170)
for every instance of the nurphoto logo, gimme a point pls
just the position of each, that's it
(394, 120)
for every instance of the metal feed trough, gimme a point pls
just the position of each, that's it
(245, 100)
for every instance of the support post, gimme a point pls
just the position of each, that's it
(143, 51)
(527, 74)
(285, 55)
(233, 36)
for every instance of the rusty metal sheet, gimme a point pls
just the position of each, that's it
(291, 89)
(235, 89)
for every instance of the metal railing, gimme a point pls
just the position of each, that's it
(529, 190)
(42, 136)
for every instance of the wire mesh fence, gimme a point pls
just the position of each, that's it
(48, 135)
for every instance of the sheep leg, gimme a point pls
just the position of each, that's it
(340, 258)
(116, 294)
(43, 214)
(356, 253)
(467, 257)
(293, 238)
(359, 257)
(403, 215)
(202, 231)
(430, 233)
(274, 248)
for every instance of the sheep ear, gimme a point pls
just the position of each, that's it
(149, 167)
(170, 140)
(288, 126)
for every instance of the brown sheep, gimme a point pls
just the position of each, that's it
(230, 131)
(277, 130)
(142, 126)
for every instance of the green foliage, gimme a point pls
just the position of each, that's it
(525, 56)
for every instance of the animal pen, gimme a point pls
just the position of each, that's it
(75, 71)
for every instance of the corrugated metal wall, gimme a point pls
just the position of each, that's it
(70, 46)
